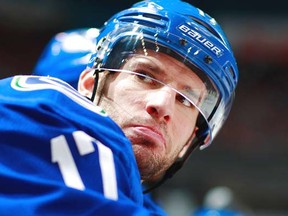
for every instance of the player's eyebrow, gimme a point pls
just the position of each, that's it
(147, 63)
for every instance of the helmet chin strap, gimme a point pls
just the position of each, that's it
(95, 86)
(96, 66)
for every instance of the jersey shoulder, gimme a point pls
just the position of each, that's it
(51, 101)
(67, 151)
(37, 109)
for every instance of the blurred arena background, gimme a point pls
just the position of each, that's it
(247, 165)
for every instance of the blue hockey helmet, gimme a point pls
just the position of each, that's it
(66, 55)
(186, 33)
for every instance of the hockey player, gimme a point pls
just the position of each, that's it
(163, 71)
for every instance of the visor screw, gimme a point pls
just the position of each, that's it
(208, 59)
(183, 42)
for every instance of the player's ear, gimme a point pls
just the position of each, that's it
(86, 82)
(187, 145)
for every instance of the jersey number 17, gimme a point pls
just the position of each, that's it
(62, 155)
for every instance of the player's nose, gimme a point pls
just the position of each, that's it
(161, 103)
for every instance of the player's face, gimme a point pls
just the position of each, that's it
(159, 122)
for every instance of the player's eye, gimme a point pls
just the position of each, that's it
(183, 100)
(145, 77)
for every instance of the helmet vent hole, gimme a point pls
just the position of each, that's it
(208, 59)
(231, 72)
(183, 42)
(205, 26)
(152, 16)
(145, 19)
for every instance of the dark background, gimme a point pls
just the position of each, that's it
(250, 154)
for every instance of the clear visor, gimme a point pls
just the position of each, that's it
(159, 67)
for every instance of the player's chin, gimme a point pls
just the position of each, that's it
(150, 163)
(148, 153)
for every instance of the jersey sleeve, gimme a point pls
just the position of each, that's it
(60, 154)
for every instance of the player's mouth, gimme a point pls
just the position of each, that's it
(149, 134)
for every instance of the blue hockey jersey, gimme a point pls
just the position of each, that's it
(62, 155)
